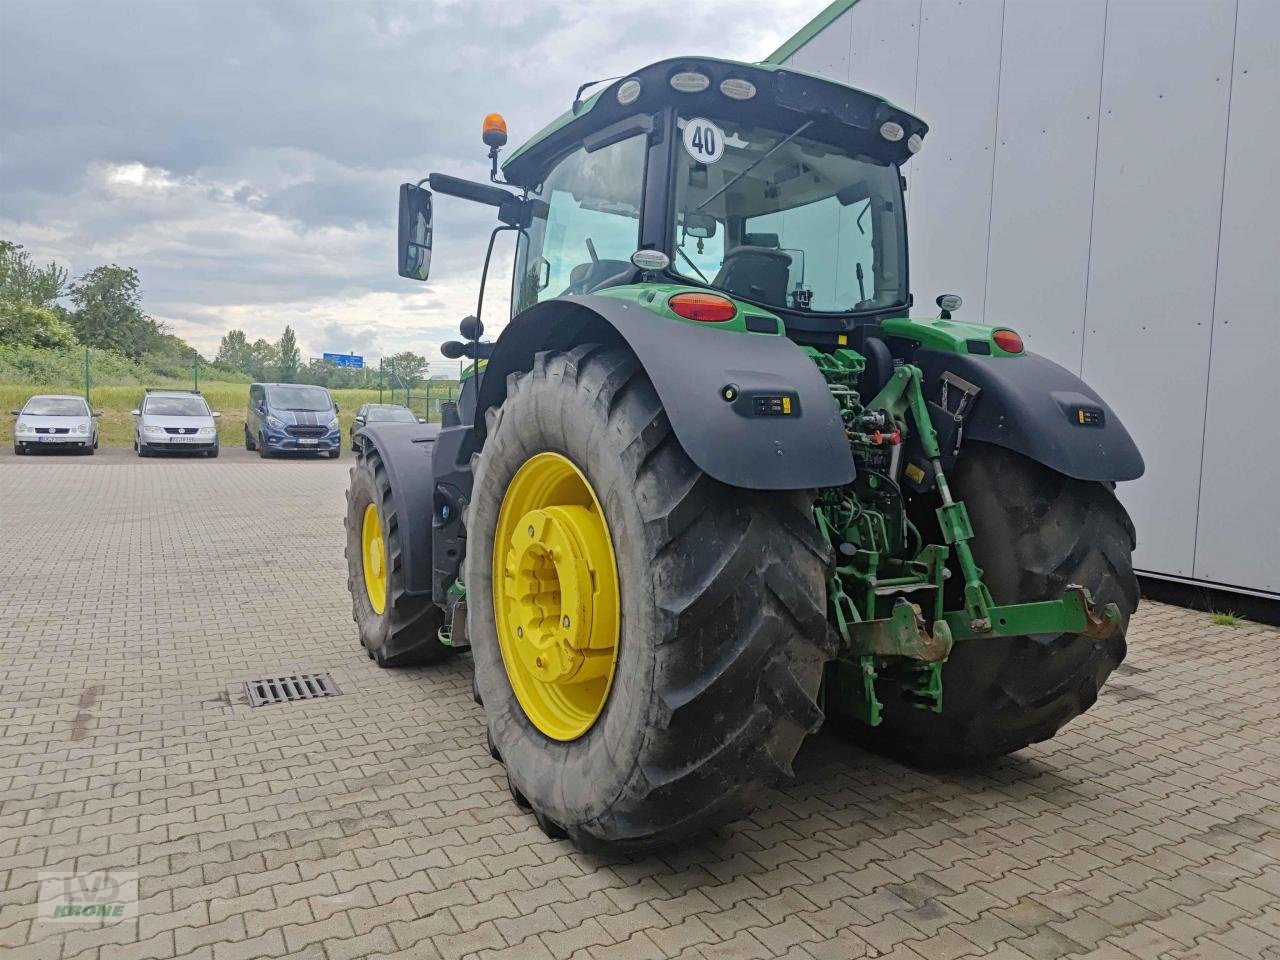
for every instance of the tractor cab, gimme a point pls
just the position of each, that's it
(777, 189)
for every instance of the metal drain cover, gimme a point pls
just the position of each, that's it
(298, 686)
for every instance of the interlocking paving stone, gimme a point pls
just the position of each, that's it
(135, 594)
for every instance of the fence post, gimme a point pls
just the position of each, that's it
(379, 379)
(195, 371)
(86, 375)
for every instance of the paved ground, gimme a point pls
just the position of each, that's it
(132, 594)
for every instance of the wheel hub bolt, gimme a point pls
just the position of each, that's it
(531, 531)
(519, 631)
(566, 623)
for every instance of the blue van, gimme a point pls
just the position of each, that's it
(291, 418)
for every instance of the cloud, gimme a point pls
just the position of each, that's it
(245, 156)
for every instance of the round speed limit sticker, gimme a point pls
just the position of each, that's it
(703, 140)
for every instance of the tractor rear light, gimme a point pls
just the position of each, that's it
(690, 81)
(703, 307)
(1008, 341)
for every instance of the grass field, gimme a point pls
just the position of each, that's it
(230, 399)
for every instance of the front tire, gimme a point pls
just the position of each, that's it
(1036, 531)
(249, 443)
(722, 637)
(396, 629)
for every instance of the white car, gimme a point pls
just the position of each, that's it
(55, 421)
(175, 420)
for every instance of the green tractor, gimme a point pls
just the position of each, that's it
(712, 486)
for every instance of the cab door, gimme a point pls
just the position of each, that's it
(585, 224)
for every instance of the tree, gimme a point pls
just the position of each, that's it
(21, 281)
(288, 355)
(407, 367)
(29, 311)
(109, 312)
(263, 360)
(26, 325)
(234, 352)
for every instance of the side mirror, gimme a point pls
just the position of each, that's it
(136, 413)
(422, 419)
(215, 414)
(700, 226)
(336, 408)
(415, 232)
(16, 413)
(95, 413)
(359, 419)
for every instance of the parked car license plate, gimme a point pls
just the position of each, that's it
(307, 442)
(185, 440)
(56, 439)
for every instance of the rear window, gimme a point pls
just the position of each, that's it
(176, 407)
(394, 414)
(56, 407)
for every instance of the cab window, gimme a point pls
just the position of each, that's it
(586, 223)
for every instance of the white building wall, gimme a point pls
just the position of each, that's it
(1104, 177)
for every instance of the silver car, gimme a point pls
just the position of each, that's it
(55, 422)
(175, 421)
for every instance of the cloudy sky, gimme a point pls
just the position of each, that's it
(245, 156)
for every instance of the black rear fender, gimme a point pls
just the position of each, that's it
(779, 429)
(1034, 407)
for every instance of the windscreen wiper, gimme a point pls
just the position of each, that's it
(759, 160)
(680, 251)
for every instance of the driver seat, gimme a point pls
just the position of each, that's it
(755, 273)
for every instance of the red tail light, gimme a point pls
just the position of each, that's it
(1008, 341)
(703, 307)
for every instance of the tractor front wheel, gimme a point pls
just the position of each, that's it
(1036, 532)
(648, 642)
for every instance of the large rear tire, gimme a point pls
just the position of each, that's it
(722, 636)
(1036, 531)
(396, 629)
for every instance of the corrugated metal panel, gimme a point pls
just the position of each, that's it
(1047, 134)
(1163, 254)
(827, 53)
(1155, 240)
(1238, 538)
(884, 41)
(959, 72)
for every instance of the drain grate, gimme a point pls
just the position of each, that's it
(298, 686)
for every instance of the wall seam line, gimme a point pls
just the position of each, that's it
(1217, 271)
(995, 147)
(1093, 200)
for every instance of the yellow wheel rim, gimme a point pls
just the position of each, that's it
(555, 596)
(373, 558)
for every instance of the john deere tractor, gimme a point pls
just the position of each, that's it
(712, 485)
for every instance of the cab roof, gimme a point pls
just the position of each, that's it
(844, 112)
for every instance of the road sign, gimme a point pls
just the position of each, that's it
(344, 359)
